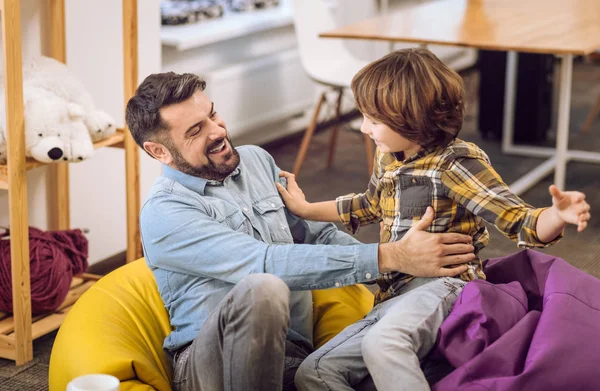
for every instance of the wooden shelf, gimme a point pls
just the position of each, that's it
(116, 141)
(44, 324)
(18, 331)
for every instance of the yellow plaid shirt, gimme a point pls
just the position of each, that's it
(464, 190)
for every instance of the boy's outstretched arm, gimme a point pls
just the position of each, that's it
(296, 202)
(568, 207)
(474, 184)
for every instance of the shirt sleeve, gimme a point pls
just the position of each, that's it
(474, 184)
(356, 210)
(181, 235)
(308, 231)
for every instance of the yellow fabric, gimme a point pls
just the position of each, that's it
(334, 309)
(118, 327)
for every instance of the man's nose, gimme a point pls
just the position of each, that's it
(215, 131)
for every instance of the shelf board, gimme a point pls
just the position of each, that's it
(43, 324)
(116, 140)
(230, 26)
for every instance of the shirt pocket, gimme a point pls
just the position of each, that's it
(231, 216)
(271, 210)
(416, 194)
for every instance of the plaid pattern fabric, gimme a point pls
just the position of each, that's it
(464, 190)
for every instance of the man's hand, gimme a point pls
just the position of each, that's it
(424, 254)
(570, 207)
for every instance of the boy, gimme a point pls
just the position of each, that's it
(413, 109)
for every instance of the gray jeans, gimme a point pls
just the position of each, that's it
(387, 345)
(242, 346)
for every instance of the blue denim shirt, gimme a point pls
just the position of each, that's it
(201, 237)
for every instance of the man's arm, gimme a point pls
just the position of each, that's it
(423, 254)
(188, 240)
(419, 253)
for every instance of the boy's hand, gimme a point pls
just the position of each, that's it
(293, 196)
(570, 207)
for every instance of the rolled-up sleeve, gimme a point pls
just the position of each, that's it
(474, 184)
(188, 240)
(356, 210)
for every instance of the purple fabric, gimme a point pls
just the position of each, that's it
(533, 325)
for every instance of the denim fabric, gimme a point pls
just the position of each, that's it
(242, 345)
(387, 344)
(202, 237)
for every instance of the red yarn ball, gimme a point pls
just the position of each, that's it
(55, 256)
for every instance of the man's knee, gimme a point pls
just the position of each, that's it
(266, 292)
(263, 284)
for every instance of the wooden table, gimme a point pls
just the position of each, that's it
(561, 27)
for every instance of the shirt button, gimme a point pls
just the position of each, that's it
(390, 193)
(368, 275)
(272, 205)
(337, 284)
(245, 209)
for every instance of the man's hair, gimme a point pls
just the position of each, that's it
(413, 93)
(142, 114)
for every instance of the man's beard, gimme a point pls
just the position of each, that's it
(210, 171)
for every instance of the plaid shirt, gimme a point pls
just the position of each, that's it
(464, 190)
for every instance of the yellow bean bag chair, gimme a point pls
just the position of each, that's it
(118, 326)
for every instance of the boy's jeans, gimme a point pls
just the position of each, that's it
(388, 343)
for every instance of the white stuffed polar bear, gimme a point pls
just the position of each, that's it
(54, 129)
(60, 118)
(52, 75)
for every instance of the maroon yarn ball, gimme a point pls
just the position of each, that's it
(55, 256)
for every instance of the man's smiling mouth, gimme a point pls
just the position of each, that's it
(218, 148)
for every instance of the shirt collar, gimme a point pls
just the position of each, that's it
(422, 153)
(194, 183)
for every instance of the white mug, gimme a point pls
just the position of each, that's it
(94, 382)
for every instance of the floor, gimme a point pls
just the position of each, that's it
(349, 174)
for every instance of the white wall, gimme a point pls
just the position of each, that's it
(94, 54)
(257, 80)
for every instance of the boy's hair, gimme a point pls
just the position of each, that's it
(142, 114)
(413, 93)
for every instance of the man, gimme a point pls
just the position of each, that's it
(226, 253)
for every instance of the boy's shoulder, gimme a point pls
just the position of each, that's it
(460, 149)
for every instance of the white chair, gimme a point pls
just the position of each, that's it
(327, 62)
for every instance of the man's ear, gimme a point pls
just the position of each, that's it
(158, 151)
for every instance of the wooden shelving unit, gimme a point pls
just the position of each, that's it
(18, 331)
